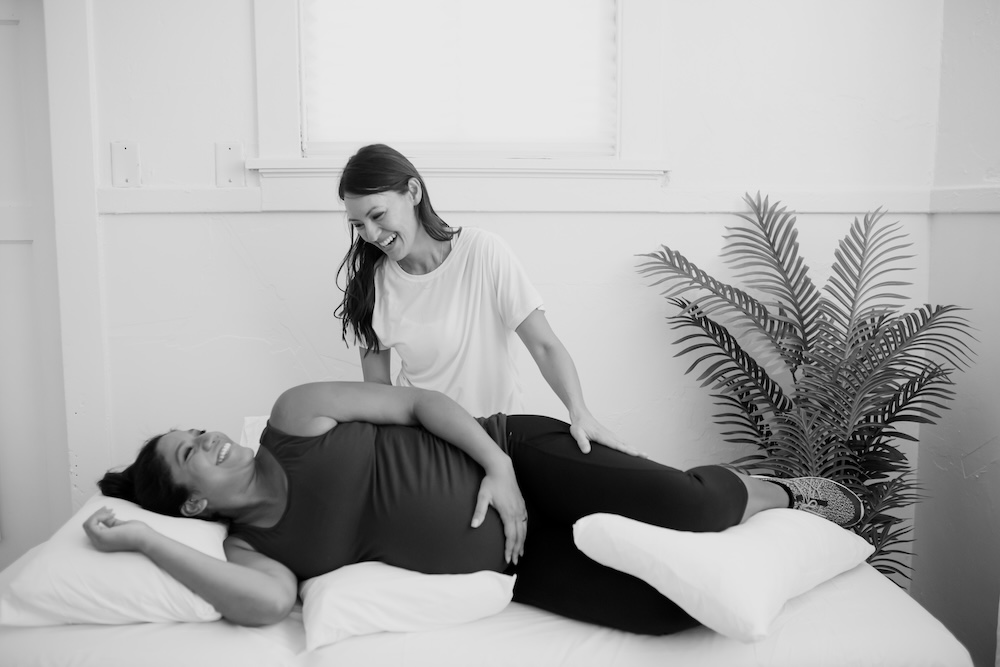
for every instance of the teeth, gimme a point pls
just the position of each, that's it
(387, 241)
(223, 452)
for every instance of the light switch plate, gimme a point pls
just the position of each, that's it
(230, 167)
(125, 166)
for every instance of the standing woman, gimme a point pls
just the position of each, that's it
(448, 300)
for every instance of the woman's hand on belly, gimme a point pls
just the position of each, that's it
(500, 489)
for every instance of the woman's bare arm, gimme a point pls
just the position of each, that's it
(248, 589)
(375, 365)
(558, 369)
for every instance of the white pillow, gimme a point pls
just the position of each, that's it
(253, 428)
(735, 581)
(70, 581)
(370, 597)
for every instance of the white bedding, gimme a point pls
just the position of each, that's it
(857, 618)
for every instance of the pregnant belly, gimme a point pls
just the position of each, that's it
(434, 535)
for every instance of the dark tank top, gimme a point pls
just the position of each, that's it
(395, 494)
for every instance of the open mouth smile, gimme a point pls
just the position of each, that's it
(387, 242)
(223, 453)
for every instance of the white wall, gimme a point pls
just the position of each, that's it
(957, 575)
(810, 96)
(175, 78)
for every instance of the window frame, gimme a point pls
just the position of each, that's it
(634, 179)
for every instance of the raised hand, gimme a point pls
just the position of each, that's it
(108, 533)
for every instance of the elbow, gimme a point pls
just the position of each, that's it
(276, 613)
(542, 350)
(258, 617)
(261, 612)
(269, 619)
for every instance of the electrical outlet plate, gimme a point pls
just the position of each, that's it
(125, 166)
(230, 167)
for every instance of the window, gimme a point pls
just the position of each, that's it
(519, 78)
(620, 168)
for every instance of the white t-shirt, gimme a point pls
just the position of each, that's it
(453, 328)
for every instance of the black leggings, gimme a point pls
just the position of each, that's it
(560, 484)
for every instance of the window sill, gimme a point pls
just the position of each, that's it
(466, 184)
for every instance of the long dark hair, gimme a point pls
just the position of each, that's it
(147, 482)
(373, 169)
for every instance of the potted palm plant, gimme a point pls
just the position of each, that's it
(819, 382)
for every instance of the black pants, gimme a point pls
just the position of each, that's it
(560, 484)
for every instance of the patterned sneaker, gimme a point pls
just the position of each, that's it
(822, 497)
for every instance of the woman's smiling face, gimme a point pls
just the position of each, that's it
(209, 464)
(387, 220)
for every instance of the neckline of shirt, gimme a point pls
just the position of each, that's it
(457, 244)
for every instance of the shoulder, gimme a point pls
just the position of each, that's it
(383, 271)
(232, 541)
(303, 411)
(484, 245)
(476, 236)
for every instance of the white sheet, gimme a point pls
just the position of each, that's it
(858, 618)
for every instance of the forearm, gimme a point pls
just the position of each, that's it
(241, 594)
(449, 421)
(375, 366)
(560, 373)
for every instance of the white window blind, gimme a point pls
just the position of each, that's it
(518, 78)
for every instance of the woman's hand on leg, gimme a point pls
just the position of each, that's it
(585, 430)
(500, 490)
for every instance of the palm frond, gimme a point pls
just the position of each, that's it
(885, 497)
(857, 383)
(804, 444)
(677, 277)
(862, 263)
(725, 364)
(914, 401)
(766, 254)
(911, 342)
(887, 557)
(742, 422)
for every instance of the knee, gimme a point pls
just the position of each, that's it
(721, 500)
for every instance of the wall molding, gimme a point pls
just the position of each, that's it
(528, 192)
(966, 199)
(570, 185)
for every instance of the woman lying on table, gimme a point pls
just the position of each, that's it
(352, 472)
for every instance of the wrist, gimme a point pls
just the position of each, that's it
(146, 540)
(498, 464)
